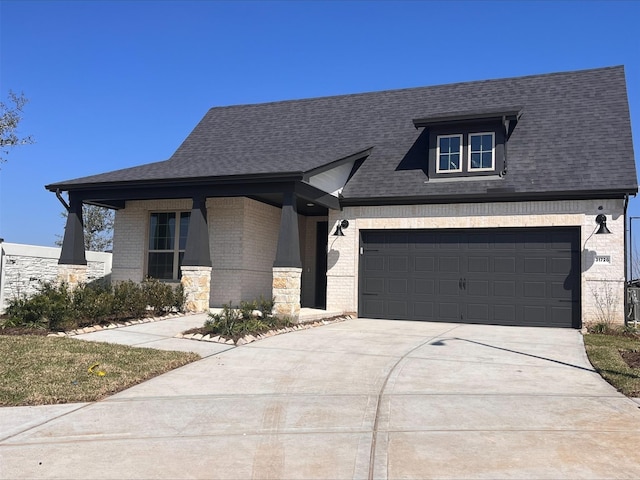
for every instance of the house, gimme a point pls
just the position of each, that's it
(480, 202)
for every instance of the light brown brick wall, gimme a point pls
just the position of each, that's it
(602, 285)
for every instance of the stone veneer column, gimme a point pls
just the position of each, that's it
(286, 291)
(72, 275)
(196, 282)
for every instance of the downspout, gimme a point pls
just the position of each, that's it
(626, 264)
(506, 124)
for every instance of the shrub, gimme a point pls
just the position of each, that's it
(50, 308)
(56, 307)
(235, 322)
(162, 297)
(93, 301)
(128, 300)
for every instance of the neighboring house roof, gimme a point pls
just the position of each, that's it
(574, 135)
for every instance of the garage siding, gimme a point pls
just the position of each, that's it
(504, 276)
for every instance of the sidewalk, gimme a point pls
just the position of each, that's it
(160, 335)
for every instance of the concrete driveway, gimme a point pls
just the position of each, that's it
(362, 399)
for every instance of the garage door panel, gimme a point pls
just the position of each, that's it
(504, 265)
(424, 287)
(398, 309)
(423, 310)
(374, 264)
(397, 241)
(448, 312)
(397, 286)
(561, 315)
(477, 288)
(504, 314)
(505, 288)
(424, 241)
(373, 307)
(449, 265)
(561, 265)
(560, 291)
(505, 241)
(534, 314)
(398, 264)
(449, 241)
(374, 286)
(505, 276)
(535, 265)
(478, 265)
(534, 290)
(479, 241)
(450, 288)
(478, 312)
(424, 264)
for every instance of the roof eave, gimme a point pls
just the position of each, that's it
(187, 181)
(486, 198)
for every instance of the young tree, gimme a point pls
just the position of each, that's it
(98, 228)
(10, 116)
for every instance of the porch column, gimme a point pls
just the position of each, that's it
(72, 265)
(287, 268)
(196, 264)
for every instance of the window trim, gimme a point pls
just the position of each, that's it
(176, 244)
(493, 152)
(460, 153)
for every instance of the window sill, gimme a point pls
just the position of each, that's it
(470, 178)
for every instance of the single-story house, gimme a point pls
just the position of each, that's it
(496, 201)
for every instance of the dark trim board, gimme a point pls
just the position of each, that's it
(501, 276)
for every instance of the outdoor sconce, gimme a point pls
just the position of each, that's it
(602, 221)
(341, 224)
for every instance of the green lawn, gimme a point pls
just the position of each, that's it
(36, 370)
(604, 354)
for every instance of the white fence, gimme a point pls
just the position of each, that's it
(23, 267)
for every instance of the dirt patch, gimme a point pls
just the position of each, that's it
(631, 358)
(23, 331)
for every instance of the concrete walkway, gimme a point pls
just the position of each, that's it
(361, 399)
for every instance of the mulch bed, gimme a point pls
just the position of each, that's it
(631, 358)
(23, 331)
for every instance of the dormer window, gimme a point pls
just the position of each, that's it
(482, 155)
(468, 144)
(449, 153)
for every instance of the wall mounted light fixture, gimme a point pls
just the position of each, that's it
(341, 225)
(602, 221)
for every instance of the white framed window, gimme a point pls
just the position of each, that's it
(167, 241)
(482, 156)
(449, 153)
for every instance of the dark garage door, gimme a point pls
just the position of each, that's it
(494, 276)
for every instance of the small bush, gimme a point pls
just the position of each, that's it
(603, 328)
(236, 322)
(92, 301)
(51, 308)
(128, 301)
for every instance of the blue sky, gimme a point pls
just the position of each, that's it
(114, 84)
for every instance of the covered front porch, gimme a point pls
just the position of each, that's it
(241, 242)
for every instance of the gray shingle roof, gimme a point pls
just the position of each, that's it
(574, 135)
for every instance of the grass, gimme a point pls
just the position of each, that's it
(39, 370)
(604, 354)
